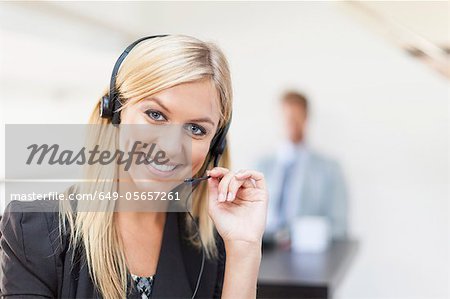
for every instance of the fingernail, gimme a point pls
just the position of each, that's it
(221, 197)
(230, 196)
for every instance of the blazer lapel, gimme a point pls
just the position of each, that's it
(192, 258)
(171, 279)
(179, 265)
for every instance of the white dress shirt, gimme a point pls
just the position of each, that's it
(295, 155)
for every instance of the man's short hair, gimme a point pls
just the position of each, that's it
(295, 97)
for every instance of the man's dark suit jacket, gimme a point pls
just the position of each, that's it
(35, 261)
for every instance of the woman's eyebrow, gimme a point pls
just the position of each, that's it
(203, 120)
(199, 120)
(158, 101)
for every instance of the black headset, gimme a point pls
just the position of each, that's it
(110, 104)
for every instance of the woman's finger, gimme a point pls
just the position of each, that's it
(233, 187)
(257, 176)
(218, 175)
(213, 182)
(249, 195)
(217, 172)
(223, 186)
(213, 190)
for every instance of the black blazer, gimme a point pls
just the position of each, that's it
(35, 261)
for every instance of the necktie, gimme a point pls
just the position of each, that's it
(283, 202)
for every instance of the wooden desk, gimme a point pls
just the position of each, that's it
(286, 274)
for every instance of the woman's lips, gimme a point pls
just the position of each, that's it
(163, 170)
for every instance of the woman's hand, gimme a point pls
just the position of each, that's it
(238, 205)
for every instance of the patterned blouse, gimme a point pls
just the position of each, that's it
(144, 285)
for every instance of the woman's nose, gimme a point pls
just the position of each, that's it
(173, 143)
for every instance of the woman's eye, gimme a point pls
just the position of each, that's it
(195, 130)
(155, 115)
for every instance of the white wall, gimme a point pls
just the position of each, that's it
(382, 114)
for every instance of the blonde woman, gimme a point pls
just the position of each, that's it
(112, 254)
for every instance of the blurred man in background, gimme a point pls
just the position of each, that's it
(302, 182)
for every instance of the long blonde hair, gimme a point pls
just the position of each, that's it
(152, 66)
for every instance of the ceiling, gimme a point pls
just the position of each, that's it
(422, 28)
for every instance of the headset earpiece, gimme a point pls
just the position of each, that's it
(110, 104)
(115, 120)
(219, 143)
(106, 107)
